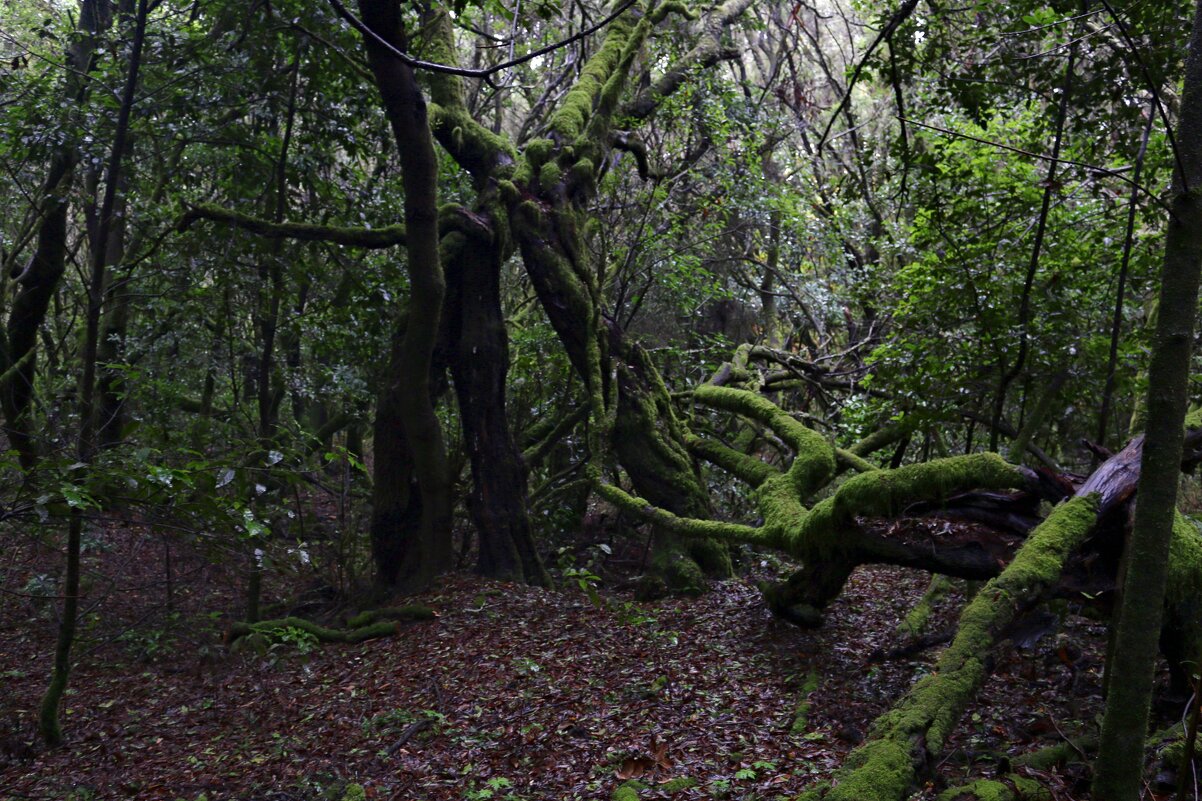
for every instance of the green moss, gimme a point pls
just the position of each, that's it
(1057, 755)
(538, 152)
(685, 526)
(509, 191)
(886, 492)
(583, 172)
(814, 461)
(982, 789)
(682, 575)
(801, 713)
(743, 467)
(916, 620)
(354, 792)
(672, 7)
(883, 768)
(549, 175)
(847, 460)
(880, 770)
(628, 791)
(677, 785)
(783, 513)
(409, 612)
(321, 633)
(1028, 789)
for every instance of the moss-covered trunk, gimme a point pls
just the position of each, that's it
(1120, 755)
(479, 362)
(429, 552)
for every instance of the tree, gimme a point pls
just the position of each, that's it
(1138, 618)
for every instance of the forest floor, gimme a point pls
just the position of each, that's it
(511, 693)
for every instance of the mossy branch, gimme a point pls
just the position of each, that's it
(668, 7)
(743, 467)
(451, 218)
(411, 612)
(684, 526)
(884, 493)
(386, 237)
(473, 146)
(546, 440)
(814, 461)
(706, 52)
(846, 460)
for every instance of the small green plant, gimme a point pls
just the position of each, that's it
(491, 789)
(304, 642)
(526, 666)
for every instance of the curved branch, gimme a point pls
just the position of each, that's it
(386, 237)
(485, 73)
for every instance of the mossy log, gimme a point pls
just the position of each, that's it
(410, 612)
(1012, 788)
(919, 615)
(905, 741)
(827, 538)
(268, 628)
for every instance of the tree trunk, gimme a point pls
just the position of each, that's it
(1138, 620)
(479, 362)
(425, 552)
(38, 281)
(48, 723)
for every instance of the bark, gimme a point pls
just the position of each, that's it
(1120, 756)
(479, 365)
(426, 551)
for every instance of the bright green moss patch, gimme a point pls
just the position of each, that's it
(981, 790)
(916, 619)
(628, 791)
(679, 784)
(877, 771)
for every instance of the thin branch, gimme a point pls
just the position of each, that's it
(1154, 89)
(1045, 157)
(903, 13)
(486, 73)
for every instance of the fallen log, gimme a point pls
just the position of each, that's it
(905, 741)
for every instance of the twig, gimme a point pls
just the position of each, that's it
(412, 730)
(900, 16)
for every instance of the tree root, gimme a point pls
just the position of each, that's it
(409, 612)
(364, 626)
